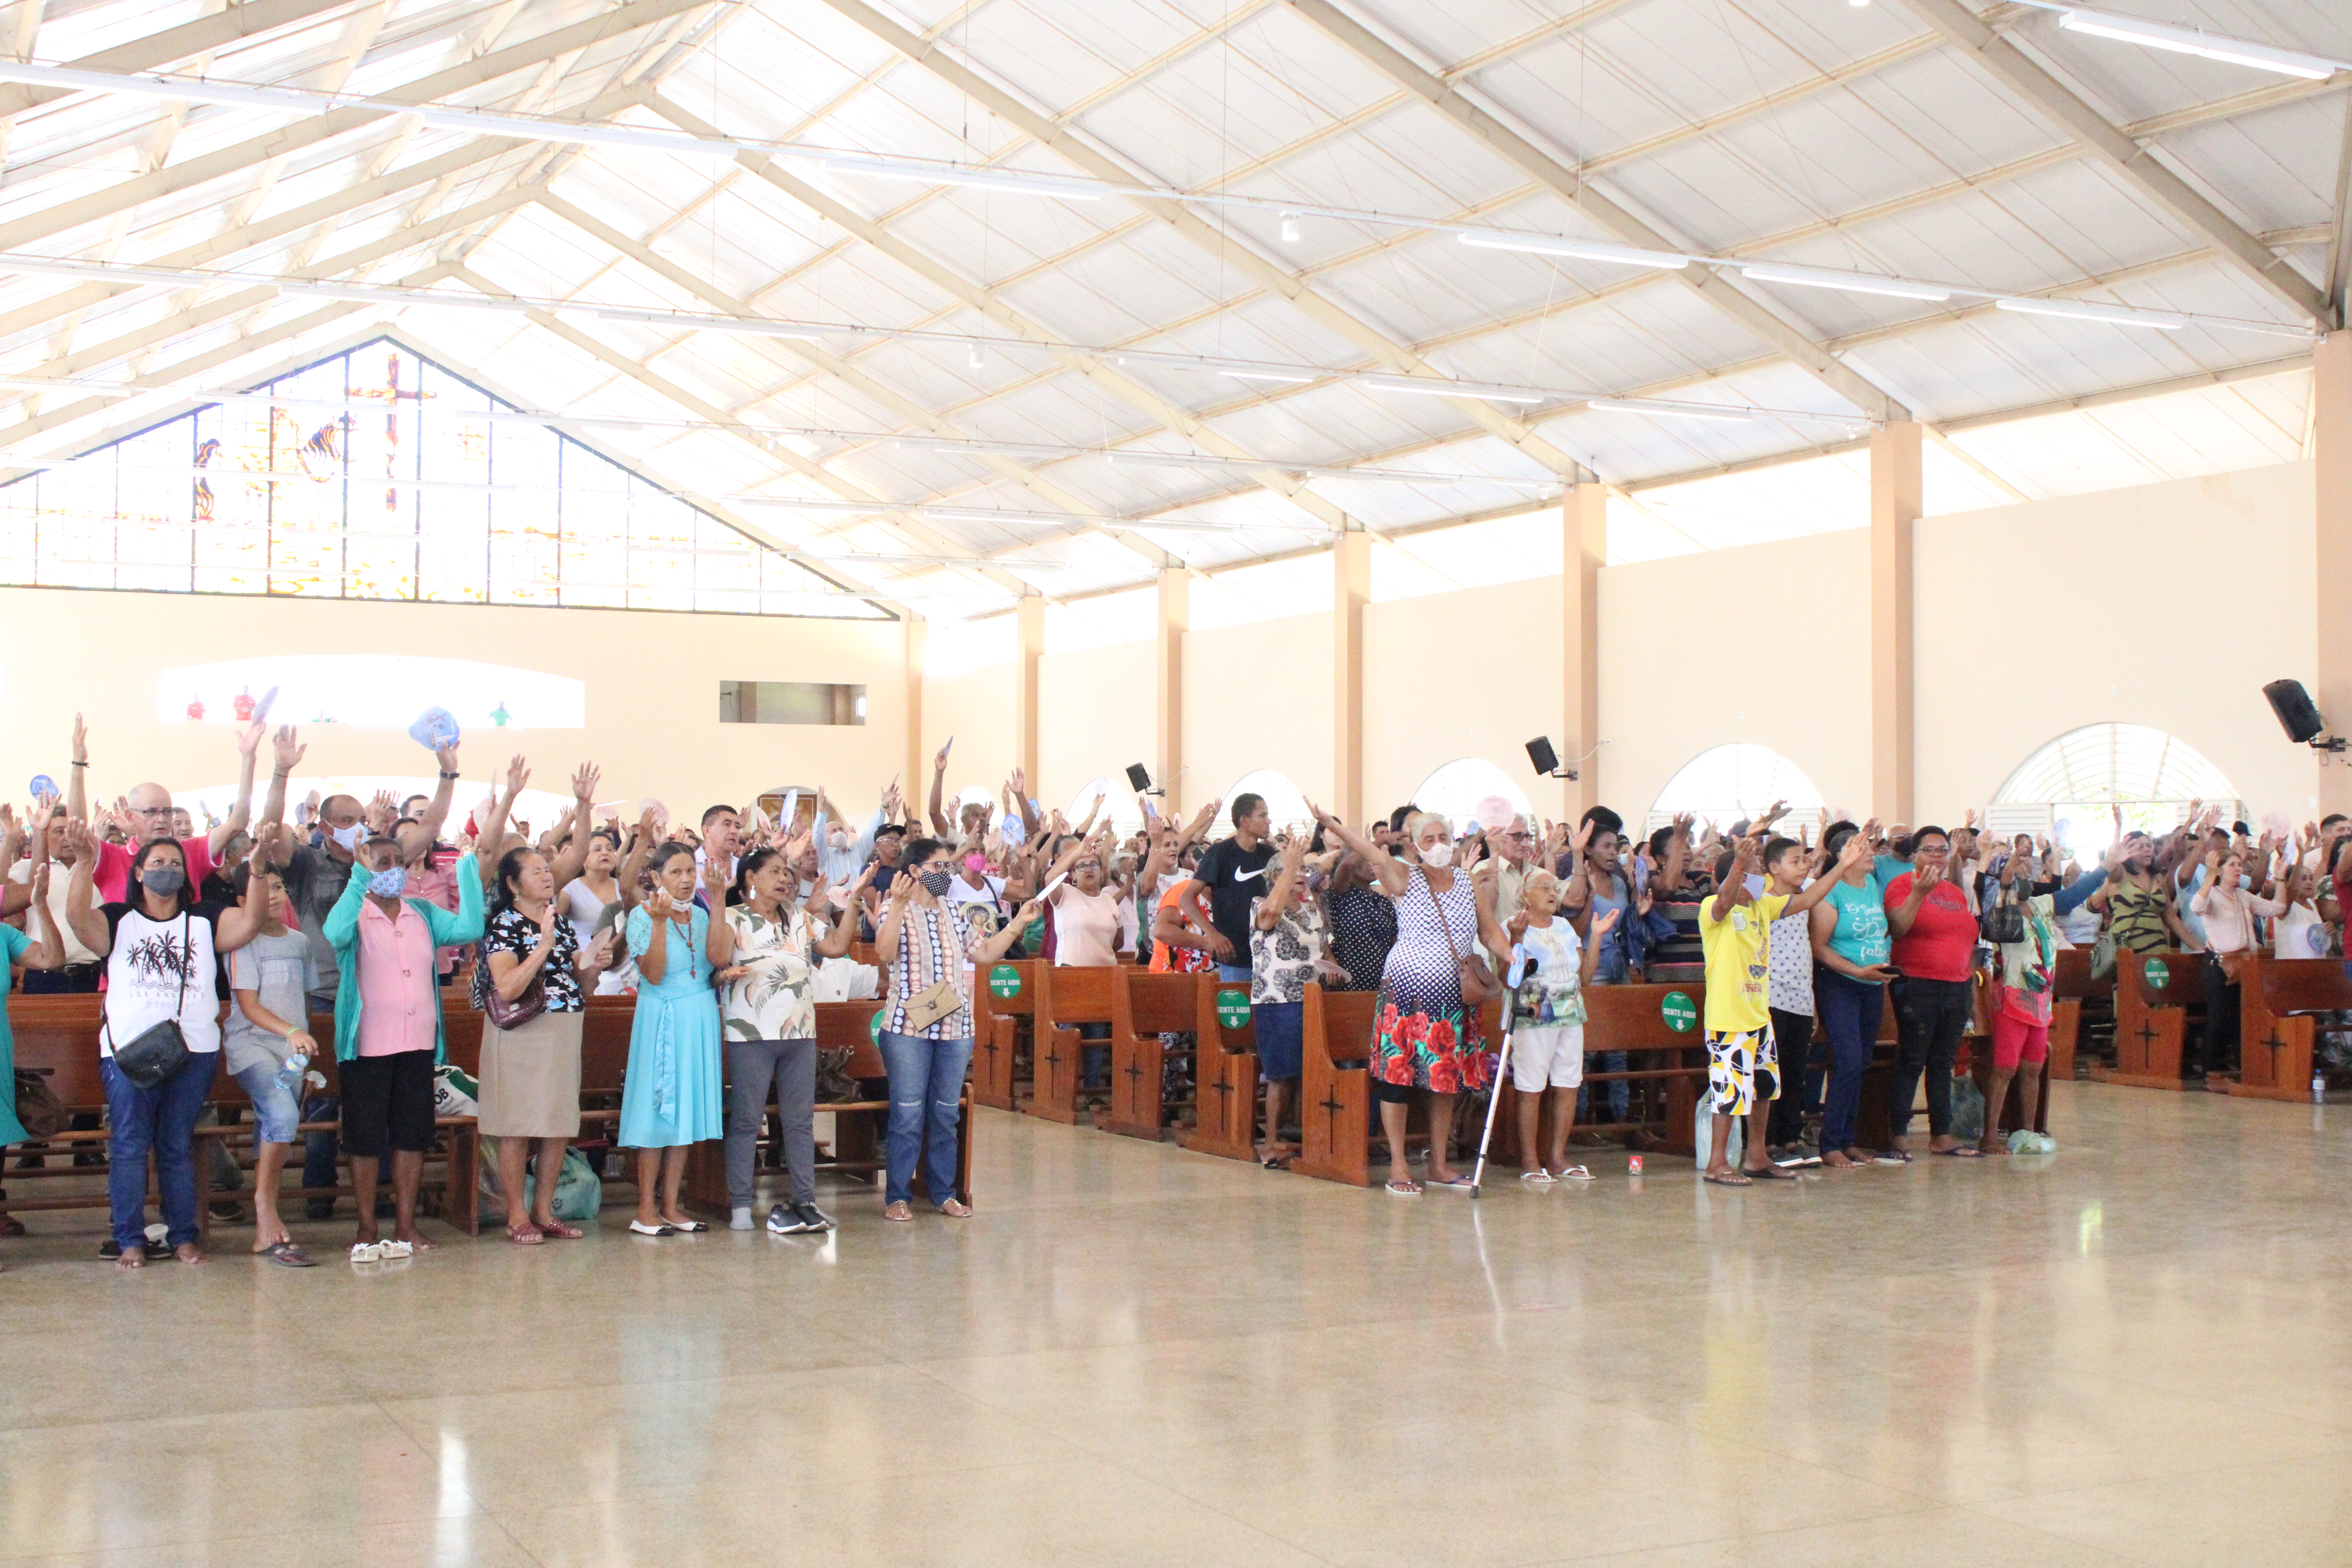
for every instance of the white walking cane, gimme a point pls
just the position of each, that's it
(1502, 1063)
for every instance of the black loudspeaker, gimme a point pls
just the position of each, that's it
(1139, 778)
(1543, 759)
(2297, 715)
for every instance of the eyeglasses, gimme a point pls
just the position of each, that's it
(151, 810)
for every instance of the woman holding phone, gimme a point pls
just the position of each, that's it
(926, 1028)
(671, 1098)
(1851, 946)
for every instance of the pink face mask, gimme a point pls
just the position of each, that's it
(975, 863)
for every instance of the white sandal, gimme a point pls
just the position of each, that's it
(392, 1249)
(1574, 1173)
(367, 1251)
(1539, 1177)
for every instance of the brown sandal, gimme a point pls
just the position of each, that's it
(556, 1230)
(524, 1235)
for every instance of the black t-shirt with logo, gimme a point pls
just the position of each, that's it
(1235, 878)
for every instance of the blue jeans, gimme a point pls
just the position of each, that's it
(1241, 971)
(159, 1121)
(926, 1089)
(1849, 1010)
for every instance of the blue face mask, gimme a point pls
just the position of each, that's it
(388, 884)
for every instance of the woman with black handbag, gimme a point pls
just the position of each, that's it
(160, 1039)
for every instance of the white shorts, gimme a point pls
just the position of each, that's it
(1553, 1054)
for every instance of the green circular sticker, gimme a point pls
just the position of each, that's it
(874, 1026)
(2157, 973)
(1233, 1009)
(1004, 980)
(1679, 1011)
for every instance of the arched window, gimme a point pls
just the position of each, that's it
(1120, 809)
(1454, 790)
(1284, 806)
(1724, 784)
(2074, 787)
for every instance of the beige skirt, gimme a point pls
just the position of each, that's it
(530, 1079)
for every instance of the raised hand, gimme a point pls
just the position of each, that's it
(248, 739)
(518, 775)
(381, 812)
(81, 742)
(940, 763)
(286, 753)
(445, 755)
(1606, 921)
(583, 785)
(547, 918)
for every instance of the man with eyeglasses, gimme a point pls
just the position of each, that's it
(1513, 850)
(147, 815)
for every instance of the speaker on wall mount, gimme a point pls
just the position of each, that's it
(1545, 761)
(2298, 715)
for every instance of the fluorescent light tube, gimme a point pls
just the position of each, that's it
(2197, 41)
(1279, 377)
(1669, 410)
(1849, 282)
(1004, 180)
(2084, 310)
(1430, 387)
(1583, 250)
(744, 324)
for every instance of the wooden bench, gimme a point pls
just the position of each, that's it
(1067, 996)
(1145, 1006)
(2151, 1021)
(2072, 987)
(2281, 1001)
(1224, 1070)
(1335, 1091)
(997, 1025)
(1632, 1018)
(58, 1036)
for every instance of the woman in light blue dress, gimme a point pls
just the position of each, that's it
(671, 1098)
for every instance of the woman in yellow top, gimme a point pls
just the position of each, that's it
(1735, 929)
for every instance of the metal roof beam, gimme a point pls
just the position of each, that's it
(224, 29)
(2009, 65)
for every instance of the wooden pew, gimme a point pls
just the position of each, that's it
(58, 1036)
(1335, 1092)
(2073, 985)
(2151, 1022)
(1144, 1007)
(1225, 1070)
(1067, 995)
(2281, 1000)
(1632, 1018)
(997, 1024)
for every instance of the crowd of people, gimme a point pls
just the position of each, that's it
(728, 931)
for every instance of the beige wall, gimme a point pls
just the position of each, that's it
(1792, 675)
(1471, 674)
(1258, 696)
(2165, 605)
(652, 691)
(975, 706)
(1096, 709)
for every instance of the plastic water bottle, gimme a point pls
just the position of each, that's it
(2318, 1087)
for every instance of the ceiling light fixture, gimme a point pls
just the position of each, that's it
(2198, 41)
(1432, 387)
(2088, 310)
(1582, 250)
(1278, 378)
(1289, 229)
(1847, 283)
(1669, 410)
(1004, 181)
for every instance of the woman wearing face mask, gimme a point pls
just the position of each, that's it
(765, 953)
(671, 1098)
(162, 949)
(930, 946)
(1422, 1037)
(531, 1073)
(596, 901)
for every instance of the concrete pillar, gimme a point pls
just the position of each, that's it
(1896, 498)
(916, 778)
(1584, 550)
(2331, 432)
(1029, 650)
(1352, 590)
(1175, 620)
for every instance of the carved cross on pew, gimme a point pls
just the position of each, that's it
(2149, 1031)
(1332, 1104)
(1224, 1088)
(991, 1049)
(2274, 1043)
(1052, 1054)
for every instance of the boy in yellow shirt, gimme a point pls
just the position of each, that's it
(1743, 1072)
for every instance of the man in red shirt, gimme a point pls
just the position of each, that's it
(146, 815)
(1935, 933)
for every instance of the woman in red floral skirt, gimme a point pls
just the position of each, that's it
(1423, 1038)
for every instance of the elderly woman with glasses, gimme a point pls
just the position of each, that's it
(1423, 1037)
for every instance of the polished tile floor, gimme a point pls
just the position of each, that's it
(2131, 1352)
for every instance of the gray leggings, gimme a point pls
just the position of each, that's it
(752, 1065)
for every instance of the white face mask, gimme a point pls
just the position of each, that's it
(1440, 853)
(349, 837)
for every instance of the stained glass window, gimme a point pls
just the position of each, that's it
(378, 474)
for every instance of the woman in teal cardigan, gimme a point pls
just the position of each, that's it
(378, 856)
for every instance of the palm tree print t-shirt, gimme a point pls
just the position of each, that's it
(162, 969)
(777, 1001)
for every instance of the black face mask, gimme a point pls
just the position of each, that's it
(163, 879)
(936, 882)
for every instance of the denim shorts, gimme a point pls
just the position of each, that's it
(275, 1112)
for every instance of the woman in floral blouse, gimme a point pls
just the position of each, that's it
(764, 955)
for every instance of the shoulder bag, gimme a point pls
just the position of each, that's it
(1477, 979)
(160, 1050)
(501, 1013)
(2002, 922)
